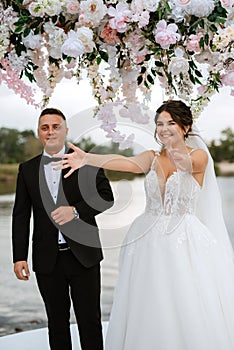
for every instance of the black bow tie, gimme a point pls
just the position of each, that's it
(47, 160)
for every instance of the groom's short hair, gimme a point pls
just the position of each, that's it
(52, 111)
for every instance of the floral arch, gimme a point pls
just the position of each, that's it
(122, 46)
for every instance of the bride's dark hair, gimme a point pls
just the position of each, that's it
(180, 113)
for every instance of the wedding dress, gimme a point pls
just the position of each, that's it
(175, 289)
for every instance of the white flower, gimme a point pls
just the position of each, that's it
(135, 112)
(4, 40)
(53, 8)
(178, 65)
(151, 5)
(73, 46)
(85, 35)
(127, 143)
(207, 56)
(32, 41)
(55, 39)
(92, 11)
(200, 8)
(138, 6)
(36, 10)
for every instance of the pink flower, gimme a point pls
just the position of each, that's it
(11, 78)
(201, 89)
(228, 78)
(193, 42)
(120, 16)
(165, 35)
(73, 7)
(227, 3)
(183, 2)
(109, 35)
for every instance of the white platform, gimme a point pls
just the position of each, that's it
(38, 339)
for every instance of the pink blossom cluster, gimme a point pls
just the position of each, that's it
(11, 78)
(228, 80)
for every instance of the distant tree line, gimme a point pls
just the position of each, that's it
(17, 146)
(223, 149)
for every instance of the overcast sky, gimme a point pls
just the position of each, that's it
(75, 101)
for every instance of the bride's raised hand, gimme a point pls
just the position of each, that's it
(74, 160)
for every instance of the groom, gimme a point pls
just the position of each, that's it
(66, 250)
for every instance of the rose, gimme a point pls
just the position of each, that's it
(165, 35)
(109, 35)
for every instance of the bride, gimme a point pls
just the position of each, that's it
(176, 283)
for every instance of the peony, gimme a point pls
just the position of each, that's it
(165, 35)
(73, 46)
(121, 15)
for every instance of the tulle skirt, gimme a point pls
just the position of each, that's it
(175, 289)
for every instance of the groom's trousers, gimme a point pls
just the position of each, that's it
(71, 281)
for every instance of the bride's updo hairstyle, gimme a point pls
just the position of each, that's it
(179, 112)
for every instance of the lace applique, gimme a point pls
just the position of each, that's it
(180, 194)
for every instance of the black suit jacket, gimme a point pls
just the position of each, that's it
(87, 189)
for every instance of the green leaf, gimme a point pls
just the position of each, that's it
(198, 73)
(202, 43)
(99, 60)
(206, 37)
(220, 20)
(19, 29)
(26, 32)
(159, 64)
(213, 28)
(150, 79)
(139, 79)
(104, 55)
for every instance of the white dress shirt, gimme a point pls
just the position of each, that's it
(53, 178)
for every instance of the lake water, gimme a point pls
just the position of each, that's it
(21, 307)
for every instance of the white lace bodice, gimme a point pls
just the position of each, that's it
(177, 197)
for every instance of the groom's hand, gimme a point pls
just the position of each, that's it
(62, 215)
(21, 270)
